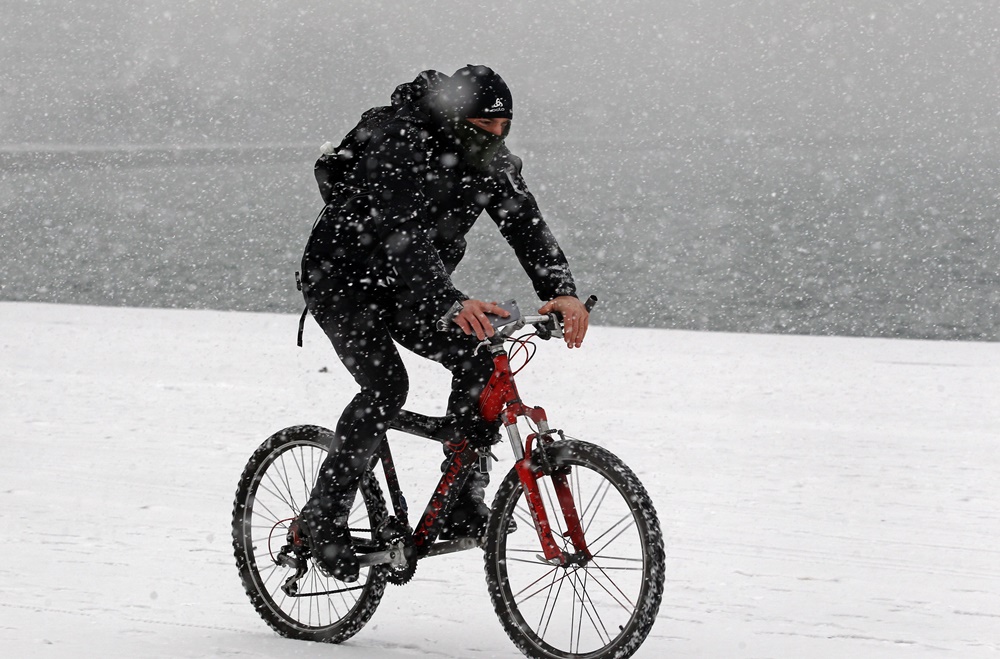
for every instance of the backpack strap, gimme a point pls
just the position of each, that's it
(305, 312)
(302, 325)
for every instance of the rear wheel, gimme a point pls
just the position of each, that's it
(275, 484)
(601, 607)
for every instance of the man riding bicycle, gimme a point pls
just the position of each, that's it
(377, 269)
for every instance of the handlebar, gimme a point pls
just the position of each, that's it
(547, 325)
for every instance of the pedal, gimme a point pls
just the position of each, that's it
(486, 459)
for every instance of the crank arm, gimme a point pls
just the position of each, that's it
(393, 556)
(452, 546)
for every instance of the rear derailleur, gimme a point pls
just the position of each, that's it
(294, 555)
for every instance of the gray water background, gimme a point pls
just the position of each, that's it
(830, 236)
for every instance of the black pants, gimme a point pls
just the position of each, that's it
(362, 323)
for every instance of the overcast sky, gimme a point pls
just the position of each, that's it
(127, 71)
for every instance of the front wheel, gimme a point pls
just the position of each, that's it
(602, 606)
(275, 485)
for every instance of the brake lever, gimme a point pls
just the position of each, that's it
(554, 325)
(543, 332)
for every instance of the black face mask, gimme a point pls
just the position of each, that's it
(479, 147)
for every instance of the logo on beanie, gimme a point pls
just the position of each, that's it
(497, 107)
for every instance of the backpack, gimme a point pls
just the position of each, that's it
(335, 167)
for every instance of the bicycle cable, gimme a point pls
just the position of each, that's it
(526, 344)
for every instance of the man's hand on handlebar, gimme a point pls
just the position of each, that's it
(472, 318)
(576, 318)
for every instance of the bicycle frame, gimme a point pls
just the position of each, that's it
(463, 460)
(499, 401)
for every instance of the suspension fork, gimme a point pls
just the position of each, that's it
(500, 399)
(529, 469)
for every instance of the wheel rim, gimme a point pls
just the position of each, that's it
(577, 610)
(281, 486)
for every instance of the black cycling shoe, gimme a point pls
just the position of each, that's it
(323, 527)
(328, 541)
(468, 519)
(334, 554)
(470, 514)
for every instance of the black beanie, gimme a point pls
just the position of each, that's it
(475, 92)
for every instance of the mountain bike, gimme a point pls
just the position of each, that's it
(573, 550)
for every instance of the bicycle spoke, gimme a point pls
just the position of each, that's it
(596, 501)
(574, 482)
(266, 529)
(280, 499)
(549, 487)
(517, 594)
(537, 558)
(286, 480)
(630, 606)
(543, 629)
(524, 516)
(627, 559)
(281, 473)
(592, 613)
(576, 608)
(573, 625)
(301, 470)
(556, 579)
(626, 518)
(309, 605)
(273, 571)
(265, 556)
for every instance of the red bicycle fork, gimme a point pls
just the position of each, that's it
(501, 400)
(529, 472)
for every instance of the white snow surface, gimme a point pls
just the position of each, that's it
(820, 497)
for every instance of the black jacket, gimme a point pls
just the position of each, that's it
(407, 207)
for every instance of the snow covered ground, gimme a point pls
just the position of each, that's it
(820, 497)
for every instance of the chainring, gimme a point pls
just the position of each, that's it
(393, 532)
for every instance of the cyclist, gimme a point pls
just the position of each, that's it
(377, 269)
